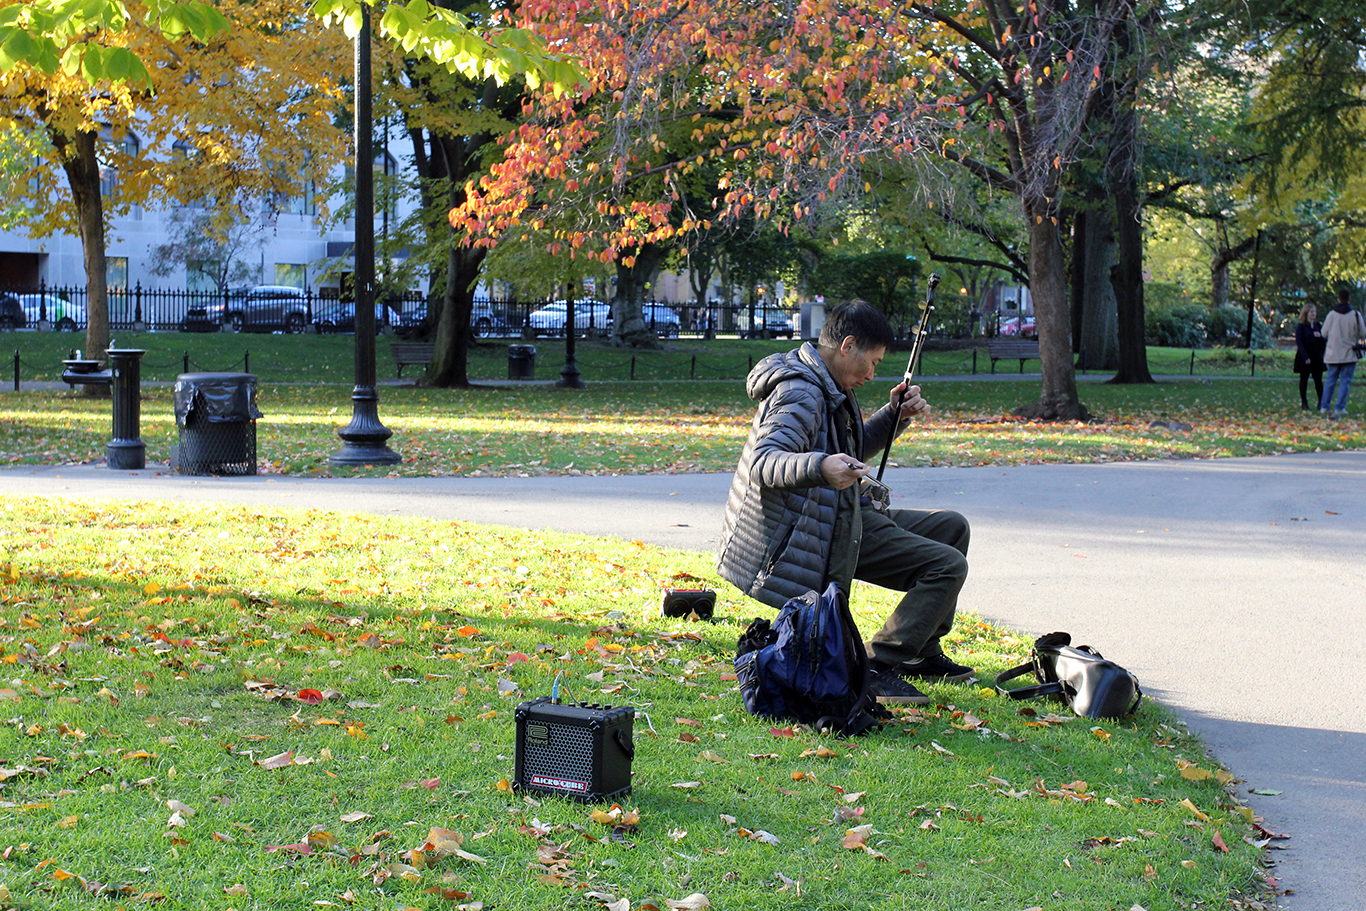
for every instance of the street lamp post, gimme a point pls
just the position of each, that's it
(364, 439)
(569, 376)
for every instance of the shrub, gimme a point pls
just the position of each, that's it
(1181, 326)
(1194, 326)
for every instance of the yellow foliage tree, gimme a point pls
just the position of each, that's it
(250, 111)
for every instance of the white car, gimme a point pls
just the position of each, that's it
(769, 322)
(64, 315)
(550, 319)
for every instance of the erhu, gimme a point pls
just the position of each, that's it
(881, 496)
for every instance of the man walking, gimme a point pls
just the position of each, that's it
(795, 520)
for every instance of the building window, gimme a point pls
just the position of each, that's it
(116, 272)
(295, 275)
(202, 274)
(109, 175)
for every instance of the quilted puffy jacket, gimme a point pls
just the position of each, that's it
(780, 514)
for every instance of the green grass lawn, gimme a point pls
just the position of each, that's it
(225, 707)
(331, 359)
(154, 665)
(625, 427)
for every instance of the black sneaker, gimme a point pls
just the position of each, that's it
(890, 688)
(938, 667)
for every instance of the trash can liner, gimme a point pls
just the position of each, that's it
(216, 398)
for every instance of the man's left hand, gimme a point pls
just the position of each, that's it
(911, 404)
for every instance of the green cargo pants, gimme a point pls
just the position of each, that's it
(922, 552)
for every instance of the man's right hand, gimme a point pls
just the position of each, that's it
(841, 470)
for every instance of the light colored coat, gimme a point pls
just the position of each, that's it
(1340, 332)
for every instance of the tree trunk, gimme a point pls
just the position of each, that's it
(80, 160)
(1048, 287)
(629, 326)
(1218, 279)
(455, 159)
(1099, 322)
(450, 353)
(1126, 276)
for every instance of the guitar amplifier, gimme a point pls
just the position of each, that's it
(573, 750)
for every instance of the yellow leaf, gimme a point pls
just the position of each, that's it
(1194, 809)
(151, 588)
(1195, 773)
(68, 822)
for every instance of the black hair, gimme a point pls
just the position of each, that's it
(1344, 295)
(860, 319)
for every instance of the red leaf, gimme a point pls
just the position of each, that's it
(782, 732)
(312, 697)
(1219, 843)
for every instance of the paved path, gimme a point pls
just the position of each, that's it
(1230, 587)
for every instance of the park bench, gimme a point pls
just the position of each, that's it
(406, 353)
(1010, 348)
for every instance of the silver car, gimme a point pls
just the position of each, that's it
(550, 319)
(264, 308)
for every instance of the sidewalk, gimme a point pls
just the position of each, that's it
(1231, 588)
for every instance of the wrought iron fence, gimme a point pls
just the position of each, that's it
(176, 309)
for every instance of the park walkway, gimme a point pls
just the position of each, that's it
(1231, 587)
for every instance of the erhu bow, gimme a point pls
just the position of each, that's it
(922, 332)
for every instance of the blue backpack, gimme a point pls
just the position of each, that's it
(809, 666)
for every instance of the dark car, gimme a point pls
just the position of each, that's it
(11, 313)
(265, 308)
(341, 317)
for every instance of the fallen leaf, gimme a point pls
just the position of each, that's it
(278, 761)
(1192, 807)
(710, 756)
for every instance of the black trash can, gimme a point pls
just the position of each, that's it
(216, 414)
(521, 362)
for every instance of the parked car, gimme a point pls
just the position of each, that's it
(64, 315)
(662, 319)
(264, 308)
(341, 317)
(488, 322)
(1018, 326)
(11, 312)
(769, 322)
(550, 319)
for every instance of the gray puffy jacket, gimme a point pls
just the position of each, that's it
(781, 513)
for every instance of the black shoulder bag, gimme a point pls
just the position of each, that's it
(1091, 685)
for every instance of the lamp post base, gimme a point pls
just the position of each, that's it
(364, 439)
(569, 378)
